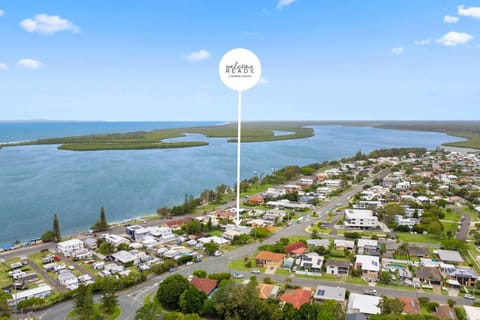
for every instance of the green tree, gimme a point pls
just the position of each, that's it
(101, 224)
(79, 297)
(170, 290)
(86, 312)
(48, 236)
(192, 316)
(123, 246)
(330, 309)
(210, 248)
(192, 300)
(390, 305)
(4, 310)
(149, 311)
(109, 298)
(56, 229)
(173, 316)
(384, 277)
(200, 273)
(106, 248)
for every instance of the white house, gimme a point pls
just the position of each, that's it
(341, 244)
(370, 266)
(337, 267)
(312, 261)
(367, 246)
(306, 182)
(115, 239)
(410, 222)
(39, 292)
(329, 293)
(67, 247)
(361, 303)
(332, 183)
(362, 219)
(164, 234)
(124, 257)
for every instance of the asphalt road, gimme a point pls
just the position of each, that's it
(465, 226)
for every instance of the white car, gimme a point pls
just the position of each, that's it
(469, 296)
(218, 253)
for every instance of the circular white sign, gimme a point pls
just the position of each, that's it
(240, 69)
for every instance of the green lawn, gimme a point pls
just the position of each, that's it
(309, 276)
(451, 215)
(394, 286)
(239, 265)
(354, 280)
(427, 238)
(282, 272)
(298, 238)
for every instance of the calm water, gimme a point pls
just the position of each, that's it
(37, 181)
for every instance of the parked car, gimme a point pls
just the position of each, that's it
(370, 291)
(469, 296)
(237, 275)
(256, 271)
(218, 253)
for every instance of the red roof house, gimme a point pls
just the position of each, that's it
(297, 248)
(204, 284)
(298, 298)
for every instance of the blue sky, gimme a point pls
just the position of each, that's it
(158, 60)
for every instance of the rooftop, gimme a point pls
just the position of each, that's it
(204, 284)
(298, 298)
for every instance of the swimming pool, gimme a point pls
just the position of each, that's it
(395, 266)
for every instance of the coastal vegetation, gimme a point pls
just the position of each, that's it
(54, 234)
(251, 132)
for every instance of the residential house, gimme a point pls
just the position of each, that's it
(429, 275)
(125, 257)
(355, 316)
(418, 252)
(319, 243)
(332, 183)
(176, 224)
(296, 249)
(370, 266)
(330, 293)
(266, 291)
(39, 292)
(67, 247)
(204, 284)
(341, 244)
(445, 312)
(360, 219)
(230, 234)
(472, 313)
(449, 256)
(337, 267)
(217, 240)
(163, 234)
(361, 303)
(312, 262)
(367, 246)
(269, 259)
(411, 305)
(464, 276)
(298, 298)
(256, 200)
(115, 239)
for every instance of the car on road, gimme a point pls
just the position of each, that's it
(189, 263)
(469, 296)
(218, 253)
(371, 292)
(237, 275)
(256, 271)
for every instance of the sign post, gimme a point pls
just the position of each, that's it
(239, 70)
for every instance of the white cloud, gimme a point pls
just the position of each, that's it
(398, 51)
(473, 12)
(3, 67)
(453, 38)
(2, 13)
(283, 3)
(197, 56)
(45, 24)
(29, 64)
(263, 81)
(450, 19)
(423, 42)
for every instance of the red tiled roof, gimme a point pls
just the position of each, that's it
(291, 248)
(204, 284)
(411, 305)
(265, 290)
(176, 222)
(298, 298)
(270, 256)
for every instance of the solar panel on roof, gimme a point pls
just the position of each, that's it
(321, 292)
